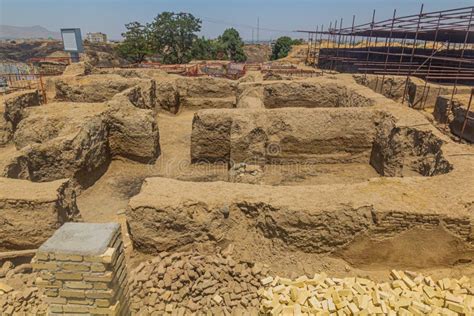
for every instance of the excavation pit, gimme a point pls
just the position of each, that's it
(304, 138)
(347, 182)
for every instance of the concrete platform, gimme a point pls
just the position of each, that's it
(86, 239)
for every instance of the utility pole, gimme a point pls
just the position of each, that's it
(258, 30)
(253, 42)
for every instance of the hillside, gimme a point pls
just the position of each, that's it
(27, 32)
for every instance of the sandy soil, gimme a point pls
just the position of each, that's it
(414, 249)
(123, 179)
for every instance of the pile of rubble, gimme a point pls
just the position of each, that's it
(407, 294)
(18, 293)
(185, 283)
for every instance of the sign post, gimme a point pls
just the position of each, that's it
(72, 41)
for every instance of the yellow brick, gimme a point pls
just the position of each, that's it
(48, 284)
(84, 301)
(455, 307)
(51, 292)
(376, 297)
(429, 291)
(396, 275)
(99, 277)
(341, 304)
(108, 255)
(72, 293)
(422, 307)
(314, 302)
(415, 311)
(68, 276)
(102, 303)
(46, 275)
(50, 266)
(302, 296)
(98, 267)
(353, 308)
(359, 288)
(105, 311)
(54, 300)
(55, 308)
(335, 297)
(409, 282)
(100, 286)
(375, 310)
(78, 285)
(100, 294)
(68, 257)
(75, 267)
(75, 309)
(452, 298)
(42, 255)
(344, 292)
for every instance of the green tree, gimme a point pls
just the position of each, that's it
(172, 36)
(135, 46)
(283, 46)
(233, 45)
(206, 49)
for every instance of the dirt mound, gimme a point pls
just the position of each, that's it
(53, 120)
(413, 249)
(185, 215)
(297, 55)
(133, 134)
(75, 141)
(80, 139)
(12, 111)
(177, 92)
(315, 92)
(405, 151)
(258, 53)
(31, 212)
(283, 135)
(92, 88)
(79, 69)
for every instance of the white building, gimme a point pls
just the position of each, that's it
(96, 37)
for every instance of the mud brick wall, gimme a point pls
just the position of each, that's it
(84, 274)
(31, 212)
(319, 135)
(395, 222)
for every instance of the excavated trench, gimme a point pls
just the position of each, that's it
(314, 175)
(297, 142)
(290, 173)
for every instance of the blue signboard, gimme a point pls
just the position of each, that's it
(72, 40)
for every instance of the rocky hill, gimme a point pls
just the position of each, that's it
(27, 32)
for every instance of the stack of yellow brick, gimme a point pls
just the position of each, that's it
(407, 294)
(84, 283)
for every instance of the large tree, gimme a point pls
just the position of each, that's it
(135, 46)
(172, 35)
(233, 45)
(207, 49)
(283, 46)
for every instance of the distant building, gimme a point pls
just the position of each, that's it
(96, 37)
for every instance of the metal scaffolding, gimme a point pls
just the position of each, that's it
(434, 46)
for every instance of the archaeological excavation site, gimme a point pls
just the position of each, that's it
(341, 184)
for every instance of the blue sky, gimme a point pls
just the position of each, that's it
(281, 16)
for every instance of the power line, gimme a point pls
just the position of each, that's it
(247, 26)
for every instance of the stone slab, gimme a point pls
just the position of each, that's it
(81, 238)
